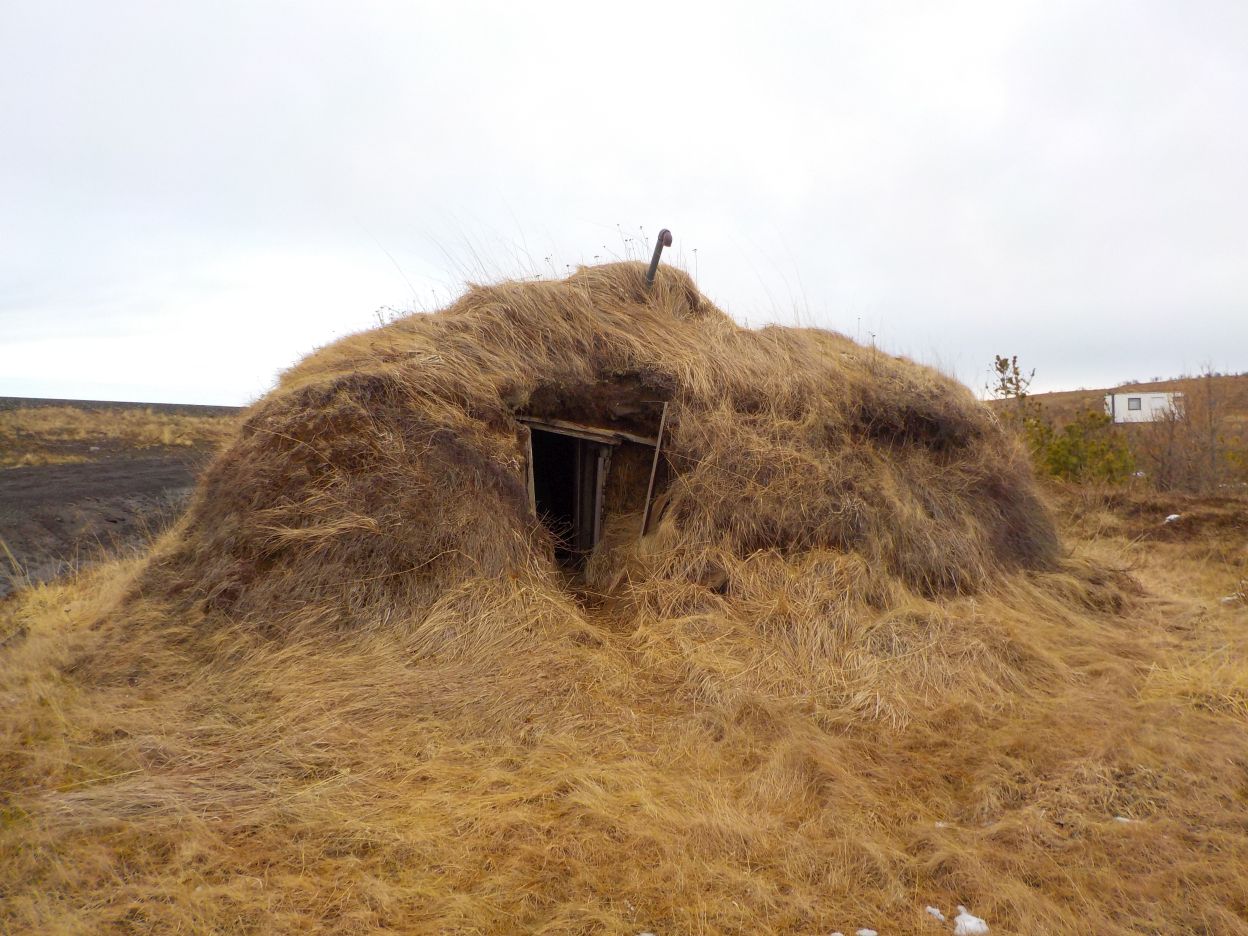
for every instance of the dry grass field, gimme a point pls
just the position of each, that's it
(863, 664)
(1059, 771)
(45, 435)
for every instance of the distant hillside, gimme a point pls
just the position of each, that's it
(184, 409)
(1230, 391)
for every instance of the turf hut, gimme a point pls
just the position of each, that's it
(595, 433)
(416, 660)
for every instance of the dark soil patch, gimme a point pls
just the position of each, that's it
(55, 518)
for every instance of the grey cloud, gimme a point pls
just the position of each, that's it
(240, 182)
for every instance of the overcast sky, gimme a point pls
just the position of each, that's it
(194, 195)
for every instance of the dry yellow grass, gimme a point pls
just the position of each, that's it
(40, 435)
(32, 454)
(848, 675)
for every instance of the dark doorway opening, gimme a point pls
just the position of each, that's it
(568, 475)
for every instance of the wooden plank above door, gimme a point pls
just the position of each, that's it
(592, 433)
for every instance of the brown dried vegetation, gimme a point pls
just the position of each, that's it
(848, 673)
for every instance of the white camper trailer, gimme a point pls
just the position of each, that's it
(1137, 407)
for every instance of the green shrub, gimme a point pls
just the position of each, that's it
(1085, 449)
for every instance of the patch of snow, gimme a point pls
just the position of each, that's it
(935, 914)
(866, 932)
(941, 825)
(1233, 599)
(1124, 819)
(1174, 517)
(965, 924)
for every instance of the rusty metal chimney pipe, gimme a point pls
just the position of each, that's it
(665, 240)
